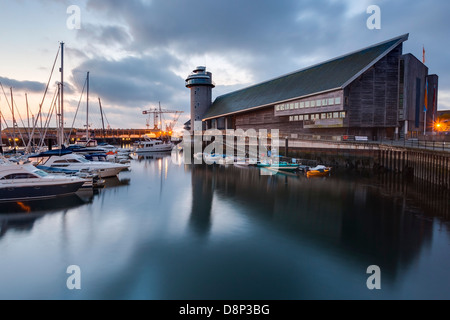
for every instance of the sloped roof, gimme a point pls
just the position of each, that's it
(330, 75)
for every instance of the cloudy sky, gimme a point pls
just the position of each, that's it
(139, 52)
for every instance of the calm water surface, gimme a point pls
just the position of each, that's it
(167, 231)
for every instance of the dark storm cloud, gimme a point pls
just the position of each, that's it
(132, 81)
(256, 29)
(105, 35)
(29, 86)
(265, 38)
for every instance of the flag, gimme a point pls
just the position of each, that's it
(423, 55)
(426, 97)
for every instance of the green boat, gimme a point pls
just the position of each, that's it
(282, 166)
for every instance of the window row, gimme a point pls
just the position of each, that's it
(308, 104)
(319, 116)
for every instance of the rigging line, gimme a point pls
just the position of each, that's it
(23, 124)
(7, 133)
(11, 110)
(50, 111)
(49, 118)
(78, 108)
(43, 98)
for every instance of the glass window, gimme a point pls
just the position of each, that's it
(331, 101)
(41, 173)
(330, 115)
(319, 103)
(302, 105)
(336, 115)
(19, 176)
(277, 108)
(295, 118)
(291, 118)
(296, 105)
(313, 104)
(343, 115)
(324, 102)
(301, 118)
(306, 117)
(337, 101)
(323, 116)
(307, 104)
(292, 106)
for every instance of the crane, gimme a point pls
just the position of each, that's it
(157, 118)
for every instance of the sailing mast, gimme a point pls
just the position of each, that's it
(14, 119)
(103, 120)
(1, 136)
(61, 117)
(87, 110)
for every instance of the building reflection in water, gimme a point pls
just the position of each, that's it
(202, 198)
(377, 220)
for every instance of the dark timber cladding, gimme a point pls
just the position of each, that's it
(364, 93)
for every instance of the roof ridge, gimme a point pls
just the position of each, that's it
(403, 37)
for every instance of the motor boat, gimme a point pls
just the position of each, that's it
(22, 182)
(218, 159)
(150, 145)
(319, 171)
(64, 159)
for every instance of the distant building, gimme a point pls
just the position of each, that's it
(376, 92)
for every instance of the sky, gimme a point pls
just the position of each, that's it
(139, 52)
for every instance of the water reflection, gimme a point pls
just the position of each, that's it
(117, 182)
(151, 156)
(370, 222)
(23, 215)
(202, 198)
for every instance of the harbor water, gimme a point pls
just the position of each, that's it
(169, 231)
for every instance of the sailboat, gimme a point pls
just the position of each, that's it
(71, 158)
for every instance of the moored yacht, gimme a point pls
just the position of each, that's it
(71, 161)
(149, 145)
(26, 182)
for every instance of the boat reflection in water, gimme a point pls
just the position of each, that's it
(152, 155)
(21, 215)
